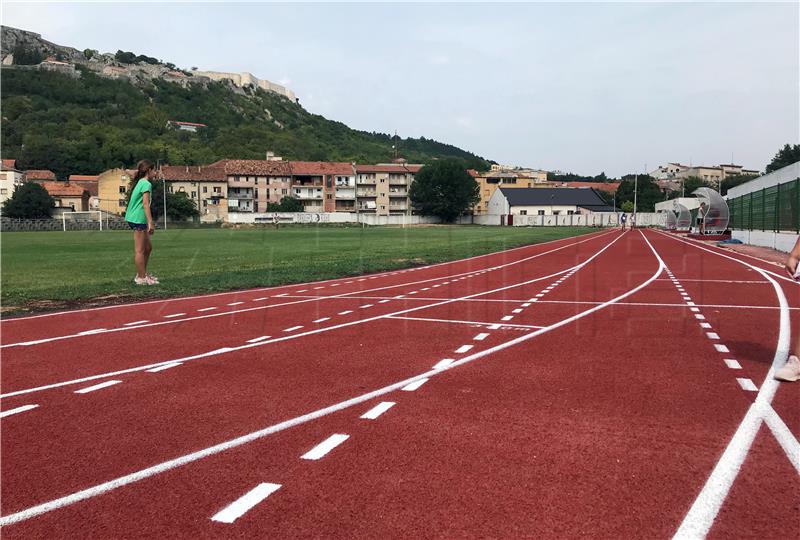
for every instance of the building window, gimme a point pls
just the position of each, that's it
(205, 189)
(181, 189)
(541, 212)
(3, 191)
(122, 189)
(557, 212)
(122, 202)
(284, 192)
(217, 190)
(205, 202)
(194, 194)
(329, 196)
(523, 212)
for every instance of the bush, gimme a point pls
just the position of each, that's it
(29, 201)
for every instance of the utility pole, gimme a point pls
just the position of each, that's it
(164, 186)
(635, 194)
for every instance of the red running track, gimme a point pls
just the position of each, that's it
(613, 385)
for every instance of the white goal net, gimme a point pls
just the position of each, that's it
(75, 221)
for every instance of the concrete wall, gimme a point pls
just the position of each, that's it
(780, 241)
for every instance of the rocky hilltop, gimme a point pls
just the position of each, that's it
(25, 49)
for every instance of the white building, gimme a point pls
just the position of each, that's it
(546, 201)
(10, 178)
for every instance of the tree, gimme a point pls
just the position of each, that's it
(26, 57)
(125, 57)
(735, 180)
(90, 53)
(29, 201)
(689, 185)
(287, 204)
(627, 207)
(648, 192)
(444, 189)
(180, 207)
(786, 156)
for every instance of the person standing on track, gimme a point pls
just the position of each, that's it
(140, 219)
(702, 212)
(790, 372)
(623, 219)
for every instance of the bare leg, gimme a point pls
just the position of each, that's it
(139, 257)
(148, 248)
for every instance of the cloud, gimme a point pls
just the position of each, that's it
(439, 59)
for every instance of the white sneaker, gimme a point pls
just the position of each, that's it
(147, 280)
(790, 372)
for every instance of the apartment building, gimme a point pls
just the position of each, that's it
(112, 189)
(713, 175)
(68, 197)
(323, 186)
(206, 186)
(383, 189)
(254, 183)
(10, 178)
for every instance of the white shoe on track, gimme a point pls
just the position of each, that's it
(790, 372)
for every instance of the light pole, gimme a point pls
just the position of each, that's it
(635, 197)
(164, 190)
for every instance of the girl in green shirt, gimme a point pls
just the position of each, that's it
(140, 220)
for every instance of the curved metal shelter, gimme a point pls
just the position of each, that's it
(671, 222)
(717, 213)
(683, 220)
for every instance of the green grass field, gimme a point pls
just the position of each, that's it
(47, 270)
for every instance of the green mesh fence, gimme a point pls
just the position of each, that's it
(775, 208)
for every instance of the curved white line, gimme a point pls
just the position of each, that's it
(244, 439)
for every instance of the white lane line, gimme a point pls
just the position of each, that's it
(694, 309)
(384, 301)
(18, 410)
(518, 310)
(399, 296)
(705, 325)
(414, 385)
(539, 295)
(526, 304)
(323, 319)
(257, 339)
(240, 506)
(414, 292)
(721, 348)
(279, 295)
(235, 303)
(325, 446)
(700, 317)
(365, 306)
(784, 435)
(335, 284)
(378, 410)
(174, 315)
(490, 326)
(260, 298)
(134, 323)
(435, 286)
(293, 328)
(346, 312)
(302, 290)
(747, 384)
(162, 368)
(96, 387)
(731, 363)
(507, 318)
(463, 349)
(207, 309)
(322, 287)
(712, 335)
(692, 304)
(481, 337)
(347, 282)
(90, 332)
(425, 289)
(441, 364)
(153, 470)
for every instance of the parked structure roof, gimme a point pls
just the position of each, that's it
(582, 197)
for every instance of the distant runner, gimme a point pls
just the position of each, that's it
(623, 219)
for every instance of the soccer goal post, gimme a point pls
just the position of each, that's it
(94, 216)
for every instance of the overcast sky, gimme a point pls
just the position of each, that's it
(576, 87)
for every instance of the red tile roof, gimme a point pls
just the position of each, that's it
(88, 183)
(194, 173)
(10, 163)
(610, 187)
(40, 174)
(320, 168)
(413, 169)
(63, 189)
(473, 173)
(255, 167)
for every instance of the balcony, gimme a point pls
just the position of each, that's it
(366, 181)
(241, 196)
(398, 181)
(345, 194)
(398, 193)
(308, 195)
(367, 193)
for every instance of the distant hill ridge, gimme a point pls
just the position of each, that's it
(84, 112)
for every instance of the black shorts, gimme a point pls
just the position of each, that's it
(137, 226)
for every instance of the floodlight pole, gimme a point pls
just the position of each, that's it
(635, 194)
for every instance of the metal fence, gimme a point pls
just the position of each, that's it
(775, 208)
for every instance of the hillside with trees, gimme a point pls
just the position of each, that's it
(90, 124)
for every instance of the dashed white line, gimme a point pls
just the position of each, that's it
(518, 310)
(18, 410)
(731, 363)
(162, 368)
(383, 301)
(414, 385)
(174, 315)
(325, 446)
(96, 387)
(721, 348)
(207, 309)
(257, 339)
(712, 335)
(700, 317)
(694, 309)
(323, 319)
(747, 384)
(235, 303)
(464, 348)
(507, 318)
(316, 288)
(539, 295)
(378, 410)
(365, 306)
(90, 332)
(494, 327)
(335, 284)
(690, 304)
(346, 312)
(526, 304)
(293, 328)
(240, 506)
(705, 325)
(134, 323)
(302, 290)
(413, 292)
(481, 336)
